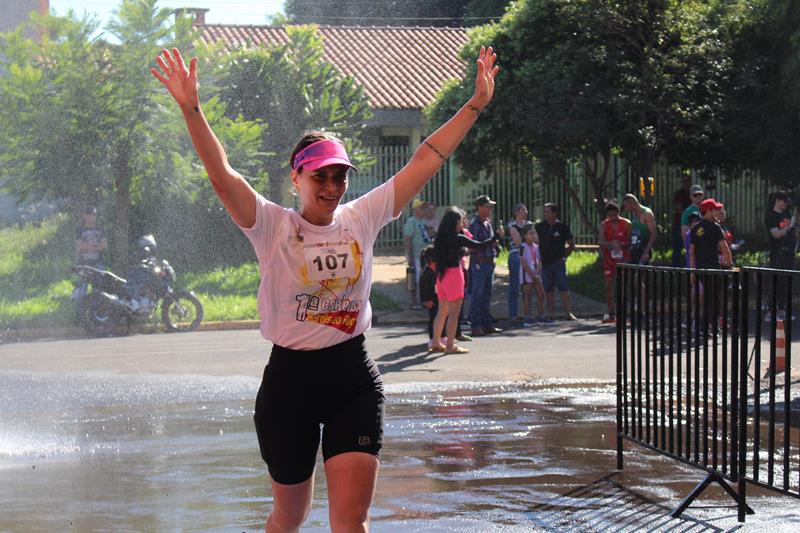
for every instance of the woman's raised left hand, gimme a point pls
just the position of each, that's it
(484, 80)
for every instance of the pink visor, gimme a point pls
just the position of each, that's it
(322, 153)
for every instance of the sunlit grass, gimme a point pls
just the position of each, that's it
(380, 302)
(584, 273)
(227, 307)
(35, 284)
(242, 279)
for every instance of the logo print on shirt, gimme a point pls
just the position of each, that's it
(329, 274)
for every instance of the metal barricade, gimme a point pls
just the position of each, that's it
(682, 374)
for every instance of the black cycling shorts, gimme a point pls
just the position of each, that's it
(338, 387)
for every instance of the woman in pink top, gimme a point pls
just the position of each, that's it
(313, 299)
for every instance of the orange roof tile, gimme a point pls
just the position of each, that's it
(399, 67)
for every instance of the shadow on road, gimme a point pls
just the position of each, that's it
(607, 505)
(408, 357)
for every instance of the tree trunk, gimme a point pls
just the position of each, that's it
(559, 168)
(122, 199)
(597, 176)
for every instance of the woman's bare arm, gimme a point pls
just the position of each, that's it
(236, 194)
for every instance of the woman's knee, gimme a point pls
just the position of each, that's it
(287, 519)
(292, 505)
(349, 519)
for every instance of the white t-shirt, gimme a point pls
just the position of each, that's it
(315, 280)
(531, 257)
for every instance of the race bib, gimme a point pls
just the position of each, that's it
(329, 262)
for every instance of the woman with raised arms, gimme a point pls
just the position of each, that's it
(316, 268)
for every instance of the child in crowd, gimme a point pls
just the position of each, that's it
(530, 275)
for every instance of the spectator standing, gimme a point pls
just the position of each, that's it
(428, 297)
(708, 248)
(417, 237)
(782, 243)
(431, 220)
(481, 268)
(697, 195)
(448, 253)
(553, 236)
(90, 241)
(680, 201)
(530, 275)
(782, 233)
(615, 247)
(644, 231)
(515, 230)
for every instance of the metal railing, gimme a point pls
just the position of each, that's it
(683, 383)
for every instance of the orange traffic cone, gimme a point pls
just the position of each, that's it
(780, 349)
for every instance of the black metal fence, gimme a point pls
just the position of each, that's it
(691, 349)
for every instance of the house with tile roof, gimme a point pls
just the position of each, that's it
(400, 68)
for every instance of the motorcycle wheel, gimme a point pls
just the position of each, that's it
(95, 316)
(181, 311)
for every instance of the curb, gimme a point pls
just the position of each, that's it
(72, 332)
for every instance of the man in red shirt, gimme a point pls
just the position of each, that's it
(615, 246)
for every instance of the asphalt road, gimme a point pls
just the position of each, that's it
(564, 350)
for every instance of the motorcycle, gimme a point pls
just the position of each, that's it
(106, 303)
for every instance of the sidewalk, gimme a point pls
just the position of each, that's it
(389, 279)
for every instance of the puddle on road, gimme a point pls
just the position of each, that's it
(92, 452)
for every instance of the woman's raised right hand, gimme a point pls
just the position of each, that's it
(181, 83)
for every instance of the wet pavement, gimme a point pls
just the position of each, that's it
(94, 451)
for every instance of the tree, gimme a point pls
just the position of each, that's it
(84, 121)
(292, 89)
(394, 12)
(762, 123)
(584, 79)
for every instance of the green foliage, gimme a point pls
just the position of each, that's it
(762, 125)
(585, 274)
(582, 77)
(34, 274)
(292, 89)
(393, 12)
(83, 120)
(37, 285)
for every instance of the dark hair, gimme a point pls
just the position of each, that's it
(780, 195)
(553, 207)
(524, 230)
(427, 254)
(446, 251)
(309, 137)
